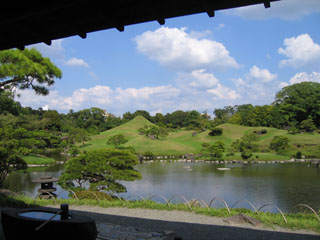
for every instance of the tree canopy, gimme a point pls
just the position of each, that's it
(117, 140)
(299, 102)
(27, 69)
(101, 169)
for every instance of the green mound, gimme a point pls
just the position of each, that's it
(184, 141)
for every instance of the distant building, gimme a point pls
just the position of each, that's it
(106, 114)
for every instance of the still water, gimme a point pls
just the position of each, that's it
(284, 185)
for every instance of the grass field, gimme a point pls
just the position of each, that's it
(182, 141)
(38, 160)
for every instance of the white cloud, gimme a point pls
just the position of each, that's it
(258, 86)
(220, 26)
(300, 50)
(283, 84)
(225, 93)
(284, 9)
(116, 101)
(146, 93)
(76, 62)
(201, 34)
(305, 77)
(175, 48)
(55, 50)
(197, 79)
(262, 75)
(202, 90)
(45, 107)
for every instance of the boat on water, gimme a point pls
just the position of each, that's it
(223, 169)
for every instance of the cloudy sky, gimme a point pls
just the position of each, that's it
(240, 56)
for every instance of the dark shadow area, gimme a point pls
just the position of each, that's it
(186, 231)
(189, 231)
(8, 202)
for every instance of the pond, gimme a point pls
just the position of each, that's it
(284, 185)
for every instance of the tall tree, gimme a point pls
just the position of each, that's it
(299, 102)
(117, 140)
(27, 69)
(279, 143)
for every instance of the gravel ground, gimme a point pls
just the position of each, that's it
(188, 225)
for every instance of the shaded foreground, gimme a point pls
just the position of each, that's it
(195, 223)
(185, 225)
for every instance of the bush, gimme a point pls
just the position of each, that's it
(92, 195)
(298, 155)
(246, 155)
(279, 143)
(148, 154)
(230, 154)
(260, 132)
(308, 125)
(293, 130)
(216, 132)
(263, 131)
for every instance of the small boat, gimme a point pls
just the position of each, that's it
(47, 223)
(223, 169)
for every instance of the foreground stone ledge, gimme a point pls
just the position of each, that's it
(116, 232)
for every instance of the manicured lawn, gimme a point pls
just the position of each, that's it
(38, 160)
(181, 141)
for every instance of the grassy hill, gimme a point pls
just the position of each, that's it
(182, 141)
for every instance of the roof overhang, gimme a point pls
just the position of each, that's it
(23, 22)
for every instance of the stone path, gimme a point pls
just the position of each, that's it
(186, 225)
(116, 232)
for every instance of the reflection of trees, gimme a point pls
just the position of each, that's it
(22, 181)
(298, 184)
(155, 172)
(284, 185)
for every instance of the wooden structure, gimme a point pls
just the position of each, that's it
(46, 190)
(28, 22)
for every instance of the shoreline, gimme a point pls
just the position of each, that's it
(312, 161)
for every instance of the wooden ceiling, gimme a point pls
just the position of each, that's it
(28, 22)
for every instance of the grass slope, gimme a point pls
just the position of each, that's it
(182, 141)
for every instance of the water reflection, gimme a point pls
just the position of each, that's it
(22, 181)
(284, 185)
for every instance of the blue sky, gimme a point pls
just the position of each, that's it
(240, 56)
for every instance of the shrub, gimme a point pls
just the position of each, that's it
(148, 154)
(308, 125)
(293, 130)
(230, 154)
(216, 132)
(263, 131)
(246, 155)
(279, 143)
(260, 132)
(298, 155)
